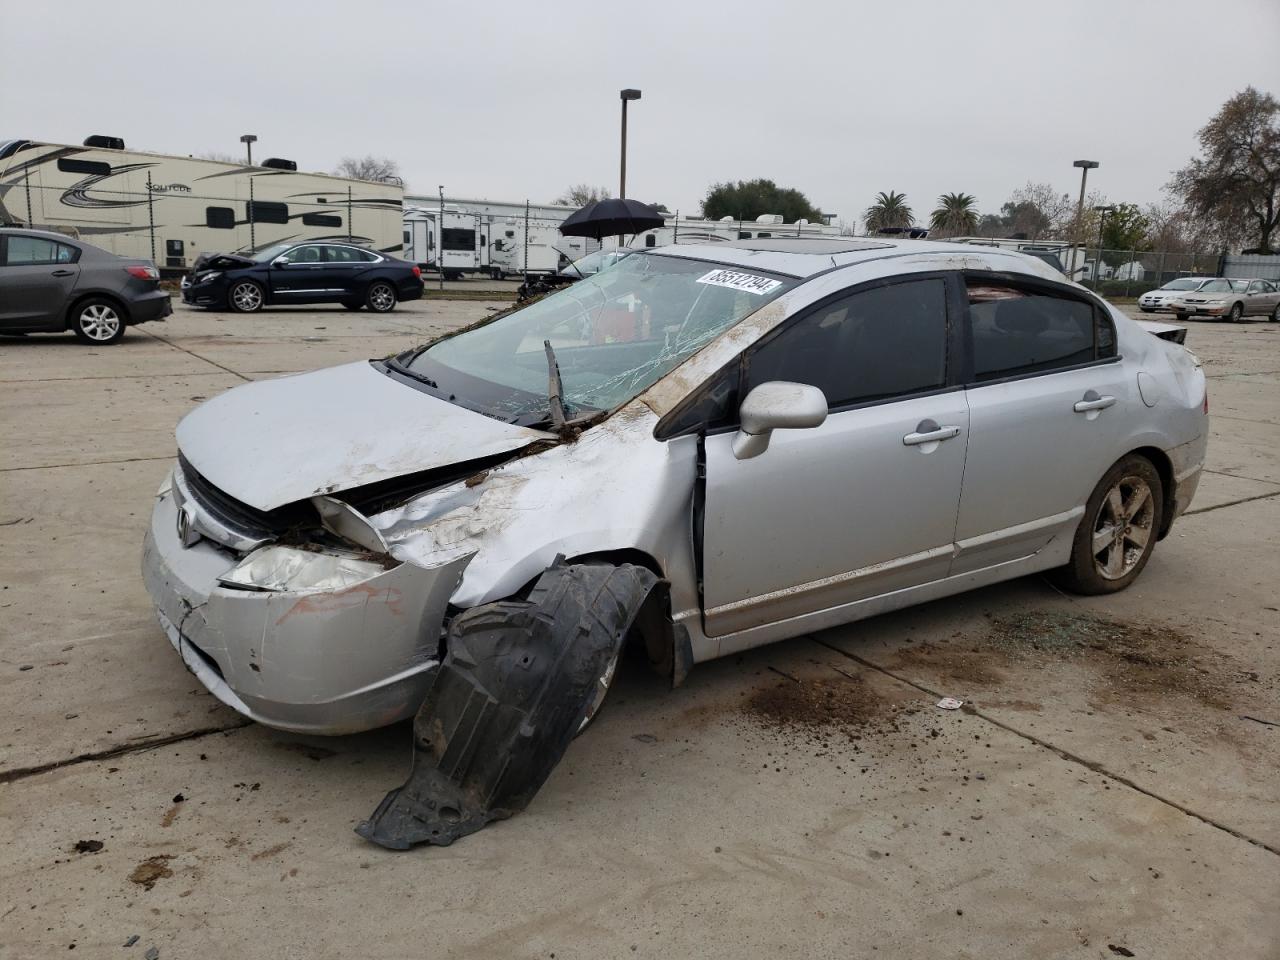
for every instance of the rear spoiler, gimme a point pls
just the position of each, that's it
(1165, 331)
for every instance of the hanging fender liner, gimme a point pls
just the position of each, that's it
(517, 681)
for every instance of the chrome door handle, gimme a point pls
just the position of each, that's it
(929, 432)
(1093, 403)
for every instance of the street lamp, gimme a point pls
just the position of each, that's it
(249, 140)
(1102, 220)
(626, 95)
(1085, 166)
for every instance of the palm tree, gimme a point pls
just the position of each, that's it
(889, 210)
(956, 215)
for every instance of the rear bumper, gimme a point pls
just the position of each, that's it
(150, 306)
(411, 290)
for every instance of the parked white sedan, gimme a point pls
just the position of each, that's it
(1157, 301)
(703, 448)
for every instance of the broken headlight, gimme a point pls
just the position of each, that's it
(279, 569)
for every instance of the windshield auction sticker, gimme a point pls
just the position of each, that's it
(746, 282)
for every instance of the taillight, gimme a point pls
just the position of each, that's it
(417, 272)
(143, 273)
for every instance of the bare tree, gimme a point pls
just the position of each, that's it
(367, 167)
(580, 194)
(219, 155)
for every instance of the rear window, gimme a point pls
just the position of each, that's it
(1019, 331)
(24, 251)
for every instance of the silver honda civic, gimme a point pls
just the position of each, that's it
(700, 450)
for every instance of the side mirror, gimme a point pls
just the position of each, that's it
(776, 405)
(280, 262)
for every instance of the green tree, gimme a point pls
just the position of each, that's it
(888, 210)
(956, 215)
(1124, 230)
(748, 199)
(1235, 183)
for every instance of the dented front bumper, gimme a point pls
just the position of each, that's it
(326, 662)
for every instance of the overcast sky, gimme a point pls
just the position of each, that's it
(512, 100)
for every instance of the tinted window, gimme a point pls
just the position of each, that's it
(1022, 331)
(220, 218)
(95, 167)
(306, 254)
(263, 211)
(26, 250)
(457, 239)
(322, 220)
(348, 255)
(884, 342)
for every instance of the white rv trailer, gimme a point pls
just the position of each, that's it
(172, 209)
(701, 230)
(1061, 254)
(496, 244)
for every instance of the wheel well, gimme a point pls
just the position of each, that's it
(69, 319)
(1164, 467)
(653, 630)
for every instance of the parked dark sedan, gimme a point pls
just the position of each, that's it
(302, 272)
(50, 283)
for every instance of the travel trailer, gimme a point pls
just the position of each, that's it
(491, 244)
(172, 209)
(701, 230)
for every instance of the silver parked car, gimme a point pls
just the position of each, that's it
(1157, 301)
(51, 283)
(702, 448)
(1232, 299)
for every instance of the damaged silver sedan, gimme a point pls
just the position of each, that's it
(701, 450)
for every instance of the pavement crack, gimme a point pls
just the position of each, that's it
(88, 463)
(22, 773)
(1232, 503)
(1067, 755)
(192, 353)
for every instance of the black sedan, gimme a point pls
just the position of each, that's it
(302, 272)
(50, 283)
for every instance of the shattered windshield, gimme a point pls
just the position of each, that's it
(613, 335)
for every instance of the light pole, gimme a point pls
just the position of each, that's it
(626, 95)
(1085, 166)
(440, 239)
(1102, 220)
(249, 140)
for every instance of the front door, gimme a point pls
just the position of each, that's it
(37, 276)
(866, 503)
(1048, 405)
(300, 274)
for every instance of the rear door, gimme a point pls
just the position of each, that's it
(349, 268)
(1049, 406)
(37, 276)
(864, 504)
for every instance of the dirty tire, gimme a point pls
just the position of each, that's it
(1181, 317)
(98, 321)
(1237, 313)
(1118, 531)
(1275, 314)
(518, 680)
(246, 296)
(381, 297)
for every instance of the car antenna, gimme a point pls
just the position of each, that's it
(554, 388)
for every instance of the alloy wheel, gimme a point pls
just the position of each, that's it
(99, 322)
(1237, 312)
(1123, 529)
(246, 297)
(382, 298)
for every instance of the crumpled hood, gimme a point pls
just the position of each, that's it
(273, 442)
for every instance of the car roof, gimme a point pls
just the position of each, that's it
(45, 234)
(804, 257)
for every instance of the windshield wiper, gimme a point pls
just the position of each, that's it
(395, 364)
(555, 389)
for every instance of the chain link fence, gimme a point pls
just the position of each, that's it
(1130, 273)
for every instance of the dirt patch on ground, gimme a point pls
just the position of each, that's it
(818, 707)
(1135, 657)
(149, 871)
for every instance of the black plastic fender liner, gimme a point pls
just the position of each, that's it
(516, 682)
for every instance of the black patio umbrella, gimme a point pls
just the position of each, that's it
(611, 218)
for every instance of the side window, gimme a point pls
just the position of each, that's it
(306, 254)
(347, 255)
(266, 211)
(1018, 331)
(650, 241)
(875, 344)
(25, 251)
(220, 218)
(1256, 287)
